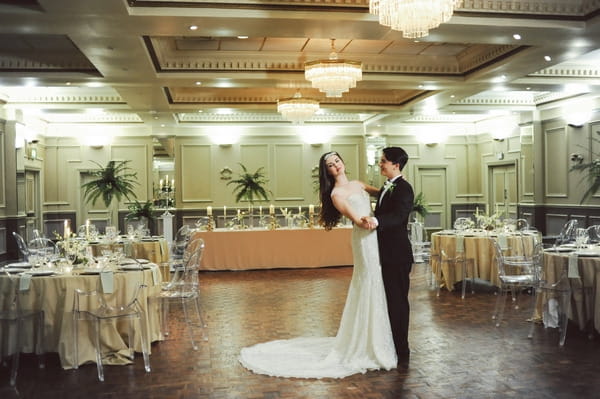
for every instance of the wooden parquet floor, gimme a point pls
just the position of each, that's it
(457, 352)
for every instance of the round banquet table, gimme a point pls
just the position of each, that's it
(54, 294)
(478, 247)
(584, 282)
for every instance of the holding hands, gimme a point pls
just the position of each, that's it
(368, 222)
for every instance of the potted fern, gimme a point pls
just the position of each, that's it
(420, 206)
(250, 186)
(115, 180)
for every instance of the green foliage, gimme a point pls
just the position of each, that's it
(590, 169)
(113, 181)
(420, 205)
(138, 210)
(250, 186)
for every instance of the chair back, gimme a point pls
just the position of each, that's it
(45, 249)
(567, 234)
(184, 281)
(21, 245)
(593, 233)
(526, 266)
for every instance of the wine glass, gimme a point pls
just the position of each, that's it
(581, 238)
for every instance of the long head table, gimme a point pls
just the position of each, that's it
(269, 249)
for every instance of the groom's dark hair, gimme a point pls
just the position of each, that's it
(396, 155)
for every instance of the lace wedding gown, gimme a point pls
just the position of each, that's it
(364, 338)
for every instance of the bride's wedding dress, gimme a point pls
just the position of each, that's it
(364, 338)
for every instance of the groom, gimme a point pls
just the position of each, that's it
(394, 205)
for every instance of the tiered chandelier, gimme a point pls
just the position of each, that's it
(413, 17)
(297, 109)
(333, 76)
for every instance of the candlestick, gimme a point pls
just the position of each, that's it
(209, 210)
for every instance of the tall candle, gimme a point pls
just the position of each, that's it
(66, 228)
(87, 228)
(224, 210)
(172, 183)
(300, 209)
(238, 213)
(311, 209)
(271, 209)
(260, 210)
(209, 210)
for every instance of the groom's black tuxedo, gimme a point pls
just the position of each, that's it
(395, 255)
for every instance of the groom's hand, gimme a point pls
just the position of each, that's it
(368, 222)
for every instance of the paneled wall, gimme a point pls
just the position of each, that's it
(454, 175)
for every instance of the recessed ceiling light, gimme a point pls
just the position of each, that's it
(528, 88)
(68, 83)
(516, 36)
(547, 58)
(200, 110)
(162, 125)
(242, 37)
(198, 83)
(193, 27)
(452, 96)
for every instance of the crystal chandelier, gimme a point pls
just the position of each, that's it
(413, 17)
(297, 109)
(333, 76)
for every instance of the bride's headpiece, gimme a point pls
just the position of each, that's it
(328, 154)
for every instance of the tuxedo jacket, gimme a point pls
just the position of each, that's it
(392, 213)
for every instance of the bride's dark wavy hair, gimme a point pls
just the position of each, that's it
(329, 216)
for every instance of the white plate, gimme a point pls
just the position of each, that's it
(588, 252)
(13, 269)
(90, 271)
(23, 265)
(143, 261)
(40, 272)
(559, 249)
(133, 267)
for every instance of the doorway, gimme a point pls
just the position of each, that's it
(503, 196)
(431, 181)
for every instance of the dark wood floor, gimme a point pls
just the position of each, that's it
(456, 350)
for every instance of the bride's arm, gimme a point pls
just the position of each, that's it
(341, 204)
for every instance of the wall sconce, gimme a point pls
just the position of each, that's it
(577, 158)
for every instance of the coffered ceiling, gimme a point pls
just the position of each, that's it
(138, 62)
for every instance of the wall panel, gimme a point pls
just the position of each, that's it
(556, 173)
(196, 167)
(288, 172)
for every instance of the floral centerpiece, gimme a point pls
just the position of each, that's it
(76, 251)
(488, 222)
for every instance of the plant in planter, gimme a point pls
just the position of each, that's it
(250, 186)
(420, 205)
(113, 181)
(139, 210)
(590, 169)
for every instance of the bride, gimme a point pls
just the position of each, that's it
(364, 338)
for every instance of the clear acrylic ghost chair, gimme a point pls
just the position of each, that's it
(421, 248)
(556, 296)
(22, 245)
(98, 307)
(593, 233)
(183, 288)
(18, 307)
(567, 233)
(45, 249)
(514, 274)
(451, 263)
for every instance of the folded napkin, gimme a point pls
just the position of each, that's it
(24, 282)
(108, 281)
(573, 267)
(460, 243)
(502, 241)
